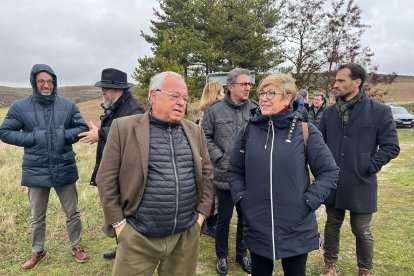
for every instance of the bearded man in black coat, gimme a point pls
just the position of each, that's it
(362, 137)
(117, 101)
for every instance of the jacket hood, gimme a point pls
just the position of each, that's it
(36, 69)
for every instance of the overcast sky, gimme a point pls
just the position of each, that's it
(79, 38)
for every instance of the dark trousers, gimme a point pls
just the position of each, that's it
(361, 228)
(225, 212)
(292, 266)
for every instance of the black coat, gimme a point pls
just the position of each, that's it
(271, 184)
(367, 143)
(46, 126)
(126, 105)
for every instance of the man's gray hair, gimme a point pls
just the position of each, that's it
(235, 73)
(158, 80)
(303, 92)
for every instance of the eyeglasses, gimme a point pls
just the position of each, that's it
(42, 82)
(106, 90)
(269, 94)
(243, 84)
(176, 96)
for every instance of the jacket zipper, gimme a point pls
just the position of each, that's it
(177, 198)
(271, 189)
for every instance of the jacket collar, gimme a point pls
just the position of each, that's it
(230, 103)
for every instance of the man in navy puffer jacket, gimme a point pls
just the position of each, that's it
(47, 125)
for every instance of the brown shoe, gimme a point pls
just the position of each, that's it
(364, 272)
(79, 252)
(329, 269)
(34, 259)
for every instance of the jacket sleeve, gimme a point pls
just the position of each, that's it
(323, 168)
(208, 126)
(204, 205)
(11, 129)
(236, 170)
(387, 140)
(107, 177)
(77, 125)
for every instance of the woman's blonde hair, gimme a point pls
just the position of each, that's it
(283, 81)
(210, 92)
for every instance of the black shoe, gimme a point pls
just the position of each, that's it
(222, 266)
(210, 231)
(110, 254)
(245, 263)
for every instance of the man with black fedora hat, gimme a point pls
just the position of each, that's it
(117, 101)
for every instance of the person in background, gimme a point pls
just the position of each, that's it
(221, 122)
(46, 125)
(362, 137)
(269, 179)
(155, 184)
(117, 101)
(316, 109)
(332, 97)
(212, 91)
(301, 104)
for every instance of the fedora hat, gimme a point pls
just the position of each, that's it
(113, 78)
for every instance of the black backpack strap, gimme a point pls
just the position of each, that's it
(305, 130)
(244, 137)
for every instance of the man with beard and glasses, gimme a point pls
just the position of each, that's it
(362, 137)
(117, 101)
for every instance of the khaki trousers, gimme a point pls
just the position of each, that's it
(39, 199)
(137, 254)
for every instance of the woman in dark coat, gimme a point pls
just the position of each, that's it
(270, 180)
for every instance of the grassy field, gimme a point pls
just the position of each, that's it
(393, 227)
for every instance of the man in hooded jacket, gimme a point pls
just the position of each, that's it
(47, 125)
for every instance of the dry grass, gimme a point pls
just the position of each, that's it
(393, 225)
(401, 91)
(91, 111)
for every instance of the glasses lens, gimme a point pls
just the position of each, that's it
(42, 82)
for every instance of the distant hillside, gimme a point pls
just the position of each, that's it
(76, 93)
(400, 91)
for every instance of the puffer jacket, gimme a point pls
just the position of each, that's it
(221, 122)
(271, 183)
(46, 126)
(169, 203)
